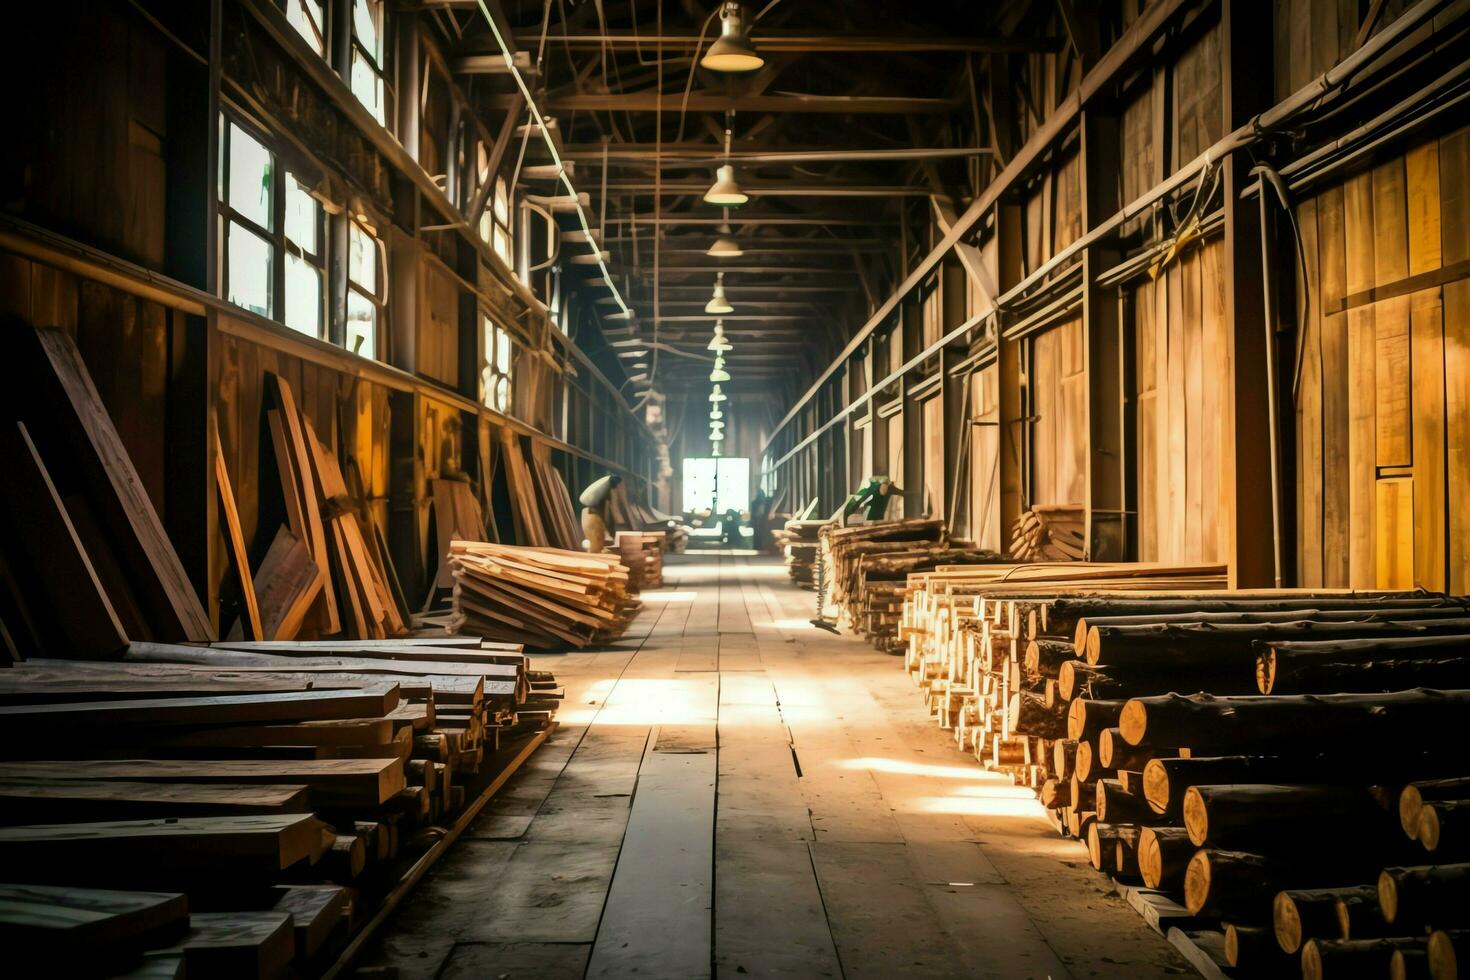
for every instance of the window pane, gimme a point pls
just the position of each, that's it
(306, 17)
(303, 297)
(362, 325)
(502, 351)
(250, 177)
(249, 258)
(502, 201)
(502, 395)
(367, 24)
(501, 244)
(303, 214)
(362, 259)
(367, 86)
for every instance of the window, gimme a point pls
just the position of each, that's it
(364, 290)
(495, 224)
(309, 18)
(716, 482)
(367, 57)
(495, 382)
(274, 242)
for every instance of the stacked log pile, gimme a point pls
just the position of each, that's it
(241, 810)
(542, 597)
(643, 554)
(1307, 806)
(1050, 532)
(868, 567)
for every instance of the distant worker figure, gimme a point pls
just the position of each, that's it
(874, 495)
(594, 502)
(760, 520)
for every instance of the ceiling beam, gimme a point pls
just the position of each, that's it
(768, 189)
(709, 155)
(748, 219)
(652, 101)
(804, 42)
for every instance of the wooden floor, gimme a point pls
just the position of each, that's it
(733, 793)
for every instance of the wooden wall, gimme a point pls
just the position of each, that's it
(1181, 372)
(1057, 381)
(984, 458)
(1383, 415)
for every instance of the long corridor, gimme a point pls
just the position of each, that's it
(734, 793)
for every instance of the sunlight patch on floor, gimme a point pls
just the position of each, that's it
(641, 702)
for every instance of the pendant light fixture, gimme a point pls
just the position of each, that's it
(717, 301)
(726, 192)
(715, 415)
(716, 395)
(725, 246)
(732, 50)
(719, 343)
(719, 373)
(716, 436)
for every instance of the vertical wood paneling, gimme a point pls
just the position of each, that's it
(1394, 518)
(1427, 356)
(1336, 469)
(1454, 183)
(1391, 316)
(1172, 432)
(1309, 407)
(1059, 402)
(1146, 401)
(1362, 394)
(1194, 469)
(985, 458)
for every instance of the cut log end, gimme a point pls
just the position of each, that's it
(1156, 786)
(1197, 882)
(1411, 802)
(1444, 961)
(1196, 817)
(1287, 921)
(1133, 722)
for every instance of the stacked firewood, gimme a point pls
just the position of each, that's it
(642, 553)
(242, 809)
(542, 597)
(1270, 807)
(1050, 532)
(868, 568)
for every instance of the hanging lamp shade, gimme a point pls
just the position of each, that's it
(717, 436)
(719, 374)
(732, 50)
(725, 192)
(719, 343)
(716, 424)
(717, 301)
(725, 246)
(715, 415)
(717, 395)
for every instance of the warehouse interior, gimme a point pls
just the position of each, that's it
(692, 488)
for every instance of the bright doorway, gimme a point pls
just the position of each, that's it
(712, 482)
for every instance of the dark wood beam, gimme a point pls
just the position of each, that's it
(651, 101)
(805, 42)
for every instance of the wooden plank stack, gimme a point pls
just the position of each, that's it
(868, 566)
(799, 542)
(543, 597)
(240, 807)
(643, 553)
(1050, 532)
(1306, 807)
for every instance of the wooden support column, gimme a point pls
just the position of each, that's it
(1107, 526)
(1246, 88)
(409, 81)
(957, 409)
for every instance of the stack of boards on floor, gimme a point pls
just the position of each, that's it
(542, 597)
(868, 565)
(643, 554)
(242, 809)
(1272, 774)
(799, 541)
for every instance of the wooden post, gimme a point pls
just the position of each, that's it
(1107, 529)
(1246, 87)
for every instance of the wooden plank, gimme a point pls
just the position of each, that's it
(235, 536)
(1214, 517)
(68, 603)
(1391, 317)
(1362, 391)
(1427, 353)
(1195, 488)
(290, 580)
(246, 945)
(657, 919)
(1454, 183)
(66, 402)
(296, 706)
(314, 529)
(46, 800)
(68, 930)
(1336, 466)
(104, 851)
(1310, 491)
(1394, 520)
(333, 782)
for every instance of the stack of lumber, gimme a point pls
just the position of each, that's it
(869, 566)
(326, 573)
(85, 563)
(1050, 532)
(242, 808)
(1301, 815)
(563, 528)
(643, 553)
(543, 597)
(799, 542)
